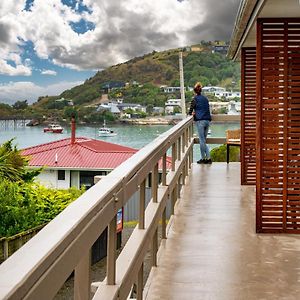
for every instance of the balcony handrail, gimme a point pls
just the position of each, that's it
(41, 266)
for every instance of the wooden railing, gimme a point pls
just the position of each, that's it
(40, 267)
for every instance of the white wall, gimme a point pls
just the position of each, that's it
(48, 178)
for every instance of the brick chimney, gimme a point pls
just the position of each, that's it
(73, 129)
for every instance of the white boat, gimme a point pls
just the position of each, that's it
(54, 128)
(105, 131)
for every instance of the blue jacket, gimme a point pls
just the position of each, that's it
(201, 107)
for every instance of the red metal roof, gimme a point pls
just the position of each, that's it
(85, 153)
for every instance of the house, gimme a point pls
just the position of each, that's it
(170, 89)
(133, 106)
(109, 106)
(171, 104)
(213, 89)
(227, 95)
(75, 162)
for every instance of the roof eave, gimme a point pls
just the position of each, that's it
(247, 13)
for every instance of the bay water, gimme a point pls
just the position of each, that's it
(135, 136)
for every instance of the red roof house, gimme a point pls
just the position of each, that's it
(83, 154)
(75, 161)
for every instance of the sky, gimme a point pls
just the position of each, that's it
(48, 46)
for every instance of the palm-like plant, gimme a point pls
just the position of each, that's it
(13, 164)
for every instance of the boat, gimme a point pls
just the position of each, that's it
(105, 131)
(33, 122)
(54, 128)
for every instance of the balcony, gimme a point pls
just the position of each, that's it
(208, 247)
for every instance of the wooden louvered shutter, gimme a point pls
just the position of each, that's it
(248, 116)
(278, 122)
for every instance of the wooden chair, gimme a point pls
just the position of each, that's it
(233, 138)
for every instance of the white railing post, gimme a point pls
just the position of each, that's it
(140, 283)
(155, 182)
(164, 170)
(173, 156)
(82, 278)
(111, 252)
(163, 224)
(179, 147)
(142, 205)
(154, 249)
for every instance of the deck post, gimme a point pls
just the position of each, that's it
(163, 224)
(142, 205)
(164, 170)
(139, 292)
(82, 278)
(155, 182)
(173, 156)
(180, 141)
(154, 249)
(111, 252)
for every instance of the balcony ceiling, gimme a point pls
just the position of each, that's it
(244, 33)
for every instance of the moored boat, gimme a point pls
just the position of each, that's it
(105, 131)
(54, 128)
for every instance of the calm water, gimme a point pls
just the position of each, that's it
(128, 135)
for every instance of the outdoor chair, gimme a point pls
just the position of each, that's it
(233, 138)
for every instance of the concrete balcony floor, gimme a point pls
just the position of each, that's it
(212, 250)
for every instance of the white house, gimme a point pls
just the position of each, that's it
(171, 104)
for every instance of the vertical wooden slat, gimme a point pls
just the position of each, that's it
(142, 205)
(285, 126)
(179, 142)
(82, 278)
(258, 126)
(111, 252)
(139, 293)
(248, 116)
(163, 224)
(154, 182)
(278, 119)
(173, 156)
(164, 170)
(154, 249)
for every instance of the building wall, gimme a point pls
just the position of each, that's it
(49, 178)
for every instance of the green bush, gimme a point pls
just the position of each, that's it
(219, 154)
(27, 205)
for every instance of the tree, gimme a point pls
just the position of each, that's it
(20, 104)
(149, 109)
(13, 164)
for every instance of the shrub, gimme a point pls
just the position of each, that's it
(219, 154)
(27, 205)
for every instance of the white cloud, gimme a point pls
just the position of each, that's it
(123, 29)
(20, 69)
(26, 90)
(49, 72)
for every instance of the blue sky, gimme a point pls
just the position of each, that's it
(49, 46)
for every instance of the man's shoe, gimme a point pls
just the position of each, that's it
(201, 161)
(208, 161)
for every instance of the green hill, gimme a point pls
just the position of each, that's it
(159, 68)
(139, 81)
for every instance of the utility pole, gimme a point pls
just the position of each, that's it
(183, 110)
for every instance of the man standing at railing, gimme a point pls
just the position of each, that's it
(201, 112)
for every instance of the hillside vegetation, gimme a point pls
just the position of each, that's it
(157, 69)
(143, 77)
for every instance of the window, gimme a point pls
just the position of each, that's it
(61, 174)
